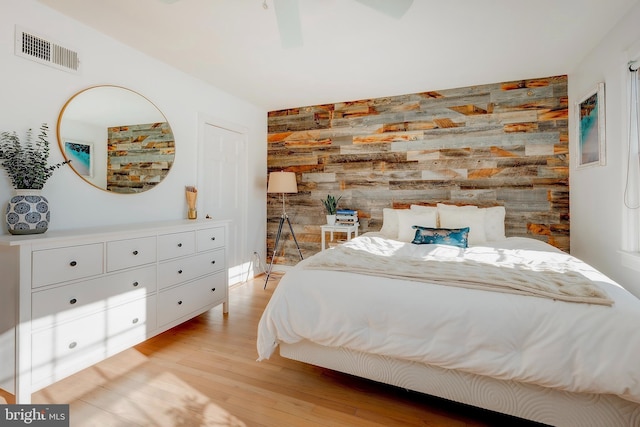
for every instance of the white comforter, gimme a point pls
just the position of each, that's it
(564, 345)
(546, 275)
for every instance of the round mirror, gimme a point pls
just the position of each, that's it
(116, 139)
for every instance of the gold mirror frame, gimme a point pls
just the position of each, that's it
(117, 140)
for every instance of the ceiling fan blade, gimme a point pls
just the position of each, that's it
(288, 17)
(395, 8)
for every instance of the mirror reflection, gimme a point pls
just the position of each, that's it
(116, 139)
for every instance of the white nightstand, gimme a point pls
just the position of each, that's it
(348, 229)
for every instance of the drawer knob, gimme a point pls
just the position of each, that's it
(134, 321)
(135, 252)
(213, 262)
(179, 271)
(73, 301)
(73, 263)
(179, 245)
(180, 302)
(213, 238)
(135, 284)
(73, 344)
(213, 289)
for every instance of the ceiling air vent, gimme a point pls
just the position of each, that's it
(37, 48)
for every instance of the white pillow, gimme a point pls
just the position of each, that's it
(452, 216)
(407, 218)
(494, 223)
(425, 209)
(390, 223)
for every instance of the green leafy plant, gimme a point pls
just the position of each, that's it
(331, 204)
(26, 164)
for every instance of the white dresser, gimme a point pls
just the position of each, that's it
(69, 299)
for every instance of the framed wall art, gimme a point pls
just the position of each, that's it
(590, 120)
(81, 156)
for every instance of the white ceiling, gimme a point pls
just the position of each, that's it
(351, 51)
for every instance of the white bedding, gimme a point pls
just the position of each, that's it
(538, 273)
(568, 346)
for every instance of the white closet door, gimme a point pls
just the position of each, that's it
(222, 188)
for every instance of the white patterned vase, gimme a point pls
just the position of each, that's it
(28, 213)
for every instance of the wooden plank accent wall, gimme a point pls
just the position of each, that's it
(138, 156)
(495, 144)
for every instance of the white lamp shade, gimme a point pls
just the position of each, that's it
(282, 182)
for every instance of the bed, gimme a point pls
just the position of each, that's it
(441, 302)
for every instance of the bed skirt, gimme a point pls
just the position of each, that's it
(528, 401)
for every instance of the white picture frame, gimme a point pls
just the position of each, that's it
(81, 155)
(590, 128)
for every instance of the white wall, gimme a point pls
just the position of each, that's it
(31, 93)
(597, 209)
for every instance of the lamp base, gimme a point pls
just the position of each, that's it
(283, 217)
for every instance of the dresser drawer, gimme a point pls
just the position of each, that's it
(176, 245)
(130, 253)
(72, 346)
(210, 238)
(130, 323)
(183, 300)
(62, 264)
(78, 299)
(183, 269)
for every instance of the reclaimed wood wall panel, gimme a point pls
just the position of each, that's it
(496, 144)
(138, 156)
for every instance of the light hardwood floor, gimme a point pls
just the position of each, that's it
(205, 373)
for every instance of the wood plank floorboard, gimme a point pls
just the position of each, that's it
(204, 373)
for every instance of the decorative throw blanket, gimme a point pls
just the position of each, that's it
(507, 271)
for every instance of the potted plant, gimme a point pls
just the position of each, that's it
(331, 206)
(27, 167)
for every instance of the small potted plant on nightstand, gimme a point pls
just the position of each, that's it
(27, 167)
(331, 206)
